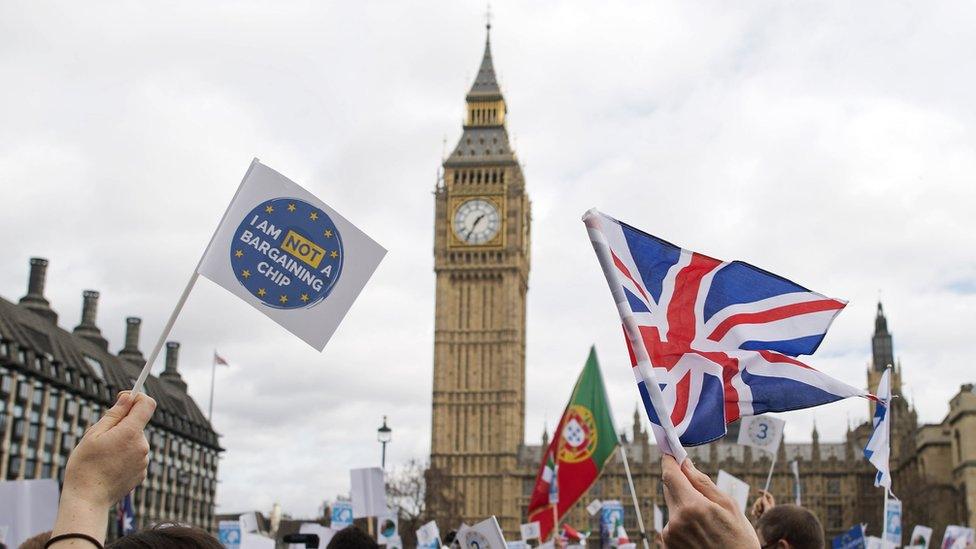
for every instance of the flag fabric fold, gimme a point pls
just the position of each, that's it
(711, 341)
(878, 447)
(583, 442)
(795, 467)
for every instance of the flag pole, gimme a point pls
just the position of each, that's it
(141, 380)
(769, 477)
(884, 521)
(555, 521)
(633, 495)
(213, 377)
(664, 431)
(555, 479)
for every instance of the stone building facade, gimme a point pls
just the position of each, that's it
(54, 383)
(479, 374)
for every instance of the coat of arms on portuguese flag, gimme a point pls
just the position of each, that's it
(584, 441)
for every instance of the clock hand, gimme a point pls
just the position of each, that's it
(473, 225)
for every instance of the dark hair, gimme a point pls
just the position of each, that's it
(167, 536)
(352, 538)
(795, 524)
(36, 542)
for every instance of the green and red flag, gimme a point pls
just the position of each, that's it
(584, 441)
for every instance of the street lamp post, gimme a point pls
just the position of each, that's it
(384, 434)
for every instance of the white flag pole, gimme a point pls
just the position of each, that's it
(633, 495)
(141, 380)
(769, 477)
(884, 521)
(664, 433)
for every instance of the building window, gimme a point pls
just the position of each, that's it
(96, 366)
(14, 470)
(833, 486)
(835, 517)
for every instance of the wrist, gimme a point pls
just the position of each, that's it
(79, 514)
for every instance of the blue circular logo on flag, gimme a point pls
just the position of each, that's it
(287, 253)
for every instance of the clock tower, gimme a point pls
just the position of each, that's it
(481, 261)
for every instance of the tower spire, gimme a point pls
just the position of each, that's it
(485, 87)
(882, 350)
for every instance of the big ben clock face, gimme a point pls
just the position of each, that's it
(476, 221)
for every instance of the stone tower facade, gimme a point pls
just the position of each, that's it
(481, 261)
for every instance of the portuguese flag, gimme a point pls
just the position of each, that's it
(583, 442)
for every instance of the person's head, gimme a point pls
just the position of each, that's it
(167, 536)
(789, 527)
(36, 542)
(352, 538)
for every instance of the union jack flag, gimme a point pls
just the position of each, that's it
(711, 341)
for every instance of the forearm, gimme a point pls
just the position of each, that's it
(78, 516)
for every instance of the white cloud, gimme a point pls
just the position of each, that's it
(828, 143)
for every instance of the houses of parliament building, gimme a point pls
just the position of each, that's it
(482, 232)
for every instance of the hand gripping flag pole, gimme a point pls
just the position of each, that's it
(141, 380)
(664, 431)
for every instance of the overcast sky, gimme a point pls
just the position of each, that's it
(832, 144)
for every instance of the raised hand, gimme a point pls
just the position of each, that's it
(108, 463)
(699, 514)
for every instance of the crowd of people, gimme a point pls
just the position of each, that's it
(111, 459)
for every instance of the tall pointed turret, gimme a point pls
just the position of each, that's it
(485, 139)
(882, 351)
(485, 87)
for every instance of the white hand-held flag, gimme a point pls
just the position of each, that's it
(487, 534)
(286, 253)
(878, 449)
(763, 432)
(290, 255)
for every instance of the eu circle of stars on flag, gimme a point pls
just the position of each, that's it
(287, 253)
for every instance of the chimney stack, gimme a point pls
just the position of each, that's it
(35, 300)
(170, 374)
(131, 350)
(88, 329)
(172, 356)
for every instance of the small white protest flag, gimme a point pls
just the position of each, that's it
(594, 507)
(795, 465)
(763, 432)
(921, 535)
(877, 448)
(387, 526)
(733, 487)
(288, 254)
(368, 492)
(429, 536)
(531, 531)
(658, 519)
(957, 537)
(487, 534)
